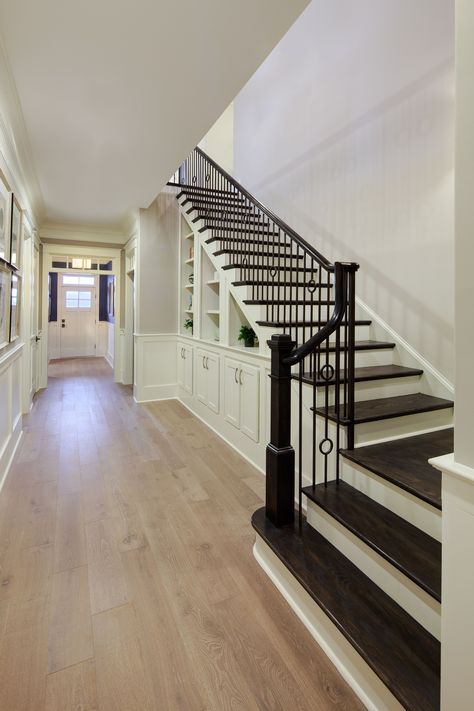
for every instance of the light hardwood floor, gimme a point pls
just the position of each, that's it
(127, 581)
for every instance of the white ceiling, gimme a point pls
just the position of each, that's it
(115, 93)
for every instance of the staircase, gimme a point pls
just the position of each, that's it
(351, 430)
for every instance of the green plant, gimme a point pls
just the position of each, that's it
(248, 335)
(188, 324)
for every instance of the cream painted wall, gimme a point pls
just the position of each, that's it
(158, 266)
(218, 142)
(464, 440)
(346, 131)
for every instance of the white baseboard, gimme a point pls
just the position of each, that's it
(9, 451)
(365, 683)
(150, 393)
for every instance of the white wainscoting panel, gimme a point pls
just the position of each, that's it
(155, 367)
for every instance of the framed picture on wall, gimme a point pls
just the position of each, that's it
(4, 219)
(5, 288)
(15, 241)
(15, 307)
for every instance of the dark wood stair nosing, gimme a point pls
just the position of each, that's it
(404, 656)
(403, 462)
(432, 404)
(364, 374)
(301, 324)
(422, 546)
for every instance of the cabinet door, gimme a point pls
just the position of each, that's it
(212, 363)
(188, 369)
(232, 392)
(201, 376)
(180, 354)
(249, 400)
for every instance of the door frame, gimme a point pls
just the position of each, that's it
(59, 252)
(62, 313)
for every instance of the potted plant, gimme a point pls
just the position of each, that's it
(248, 335)
(188, 324)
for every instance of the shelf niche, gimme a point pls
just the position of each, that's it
(187, 277)
(236, 321)
(210, 300)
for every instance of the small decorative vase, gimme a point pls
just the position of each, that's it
(249, 342)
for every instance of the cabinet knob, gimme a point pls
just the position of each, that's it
(236, 376)
(240, 377)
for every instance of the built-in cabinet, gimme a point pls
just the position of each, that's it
(242, 397)
(207, 378)
(185, 367)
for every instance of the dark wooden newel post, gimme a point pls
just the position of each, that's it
(280, 480)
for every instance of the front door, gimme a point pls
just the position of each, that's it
(77, 320)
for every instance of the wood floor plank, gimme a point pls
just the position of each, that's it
(72, 689)
(152, 550)
(70, 548)
(70, 630)
(122, 683)
(106, 579)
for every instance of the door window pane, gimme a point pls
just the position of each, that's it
(72, 280)
(78, 299)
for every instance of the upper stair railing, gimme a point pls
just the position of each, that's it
(310, 300)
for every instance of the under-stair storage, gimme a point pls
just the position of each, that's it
(185, 367)
(242, 397)
(207, 378)
(351, 527)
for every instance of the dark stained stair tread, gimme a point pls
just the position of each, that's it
(404, 462)
(282, 302)
(238, 230)
(294, 285)
(410, 550)
(212, 193)
(247, 253)
(243, 240)
(279, 324)
(396, 647)
(289, 268)
(388, 407)
(367, 373)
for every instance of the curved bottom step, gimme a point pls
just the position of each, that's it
(399, 651)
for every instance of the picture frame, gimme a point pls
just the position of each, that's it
(15, 306)
(15, 233)
(5, 305)
(5, 219)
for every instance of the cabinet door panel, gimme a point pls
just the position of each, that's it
(249, 401)
(201, 376)
(188, 369)
(212, 370)
(232, 392)
(180, 354)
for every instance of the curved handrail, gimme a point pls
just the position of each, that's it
(271, 215)
(340, 279)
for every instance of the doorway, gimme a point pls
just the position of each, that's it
(77, 316)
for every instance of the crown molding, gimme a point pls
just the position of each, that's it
(15, 143)
(60, 233)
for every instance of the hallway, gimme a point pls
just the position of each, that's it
(127, 576)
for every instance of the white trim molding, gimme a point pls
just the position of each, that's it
(457, 619)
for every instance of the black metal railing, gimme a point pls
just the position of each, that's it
(311, 301)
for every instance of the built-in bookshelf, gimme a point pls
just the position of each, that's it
(210, 300)
(187, 256)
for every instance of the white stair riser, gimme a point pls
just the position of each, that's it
(404, 591)
(406, 505)
(249, 292)
(304, 333)
(373, 389)
(400, 426)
